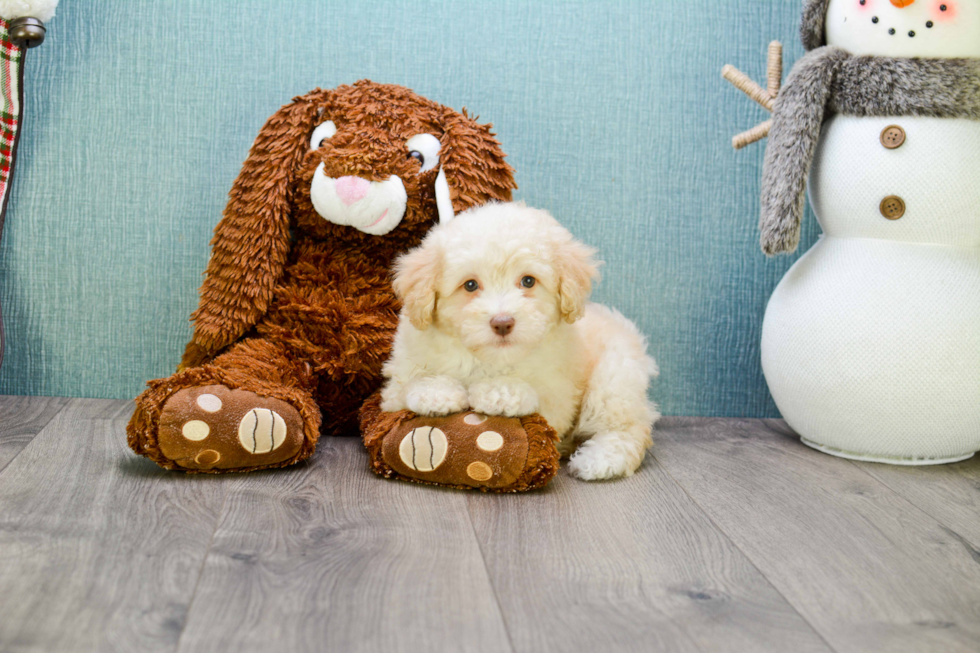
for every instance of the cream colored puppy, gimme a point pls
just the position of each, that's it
(496, 320)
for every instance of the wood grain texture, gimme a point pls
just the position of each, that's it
(949, 493)
(630, 565)
(328, 557)
(21, 418)
(101, 550)
(867, 568)
(732, 537)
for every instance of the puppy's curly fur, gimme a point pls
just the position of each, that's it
(496, 318)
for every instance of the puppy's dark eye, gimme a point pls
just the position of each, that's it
(471, 285)
(528, 282)
(415, 154)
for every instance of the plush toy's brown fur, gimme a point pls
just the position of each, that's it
(299, 309)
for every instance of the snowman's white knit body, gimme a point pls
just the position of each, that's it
(871, 342)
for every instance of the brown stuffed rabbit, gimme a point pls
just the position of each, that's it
(297, 313)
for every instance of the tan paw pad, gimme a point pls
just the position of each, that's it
(479, 471)
(195, 430)
(490, 441)
(207, 458)
(261, 430)
(209, 403)
(423, 449)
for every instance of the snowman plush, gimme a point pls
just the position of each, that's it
(871, 342)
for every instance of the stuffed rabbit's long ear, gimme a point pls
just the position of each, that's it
(251, 242)
(472, 163)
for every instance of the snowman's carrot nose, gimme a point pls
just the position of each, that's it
(902, 3)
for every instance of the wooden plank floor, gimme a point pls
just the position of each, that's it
(732, 537)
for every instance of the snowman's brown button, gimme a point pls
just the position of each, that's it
(892, 207)
(893, 137)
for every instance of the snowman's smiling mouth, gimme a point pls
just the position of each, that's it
(900, 4)
(893, 31)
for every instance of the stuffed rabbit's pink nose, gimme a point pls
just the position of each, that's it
(351, 189)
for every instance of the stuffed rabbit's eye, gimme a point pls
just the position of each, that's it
(323, 132)
(472, 285)
(424, 148)
(528, 282)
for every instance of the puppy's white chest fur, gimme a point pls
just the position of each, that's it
(556, 370)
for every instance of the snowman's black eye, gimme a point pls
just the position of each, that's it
(929, 24)
(942, 7)
(864, 2)
(875, 20)
(528, 282)
(912, 34)
(471, 285)
(892, 31)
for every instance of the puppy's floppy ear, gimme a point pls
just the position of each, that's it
(577, 269)
(251, 242)
(416, 276)
(472, 163)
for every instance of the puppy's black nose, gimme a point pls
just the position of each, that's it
(502, 324)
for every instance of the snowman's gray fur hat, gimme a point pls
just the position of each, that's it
(812, 27)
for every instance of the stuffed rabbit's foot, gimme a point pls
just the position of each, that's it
(463, 450)
(213, 427)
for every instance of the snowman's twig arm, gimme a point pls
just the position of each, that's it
(775, 68)
(742, 82)
(765, 97)
(753, 135)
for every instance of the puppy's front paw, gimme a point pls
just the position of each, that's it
(437, 395)
(603, 459)
(508, 397)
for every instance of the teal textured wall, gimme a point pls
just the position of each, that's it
(140, 112)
